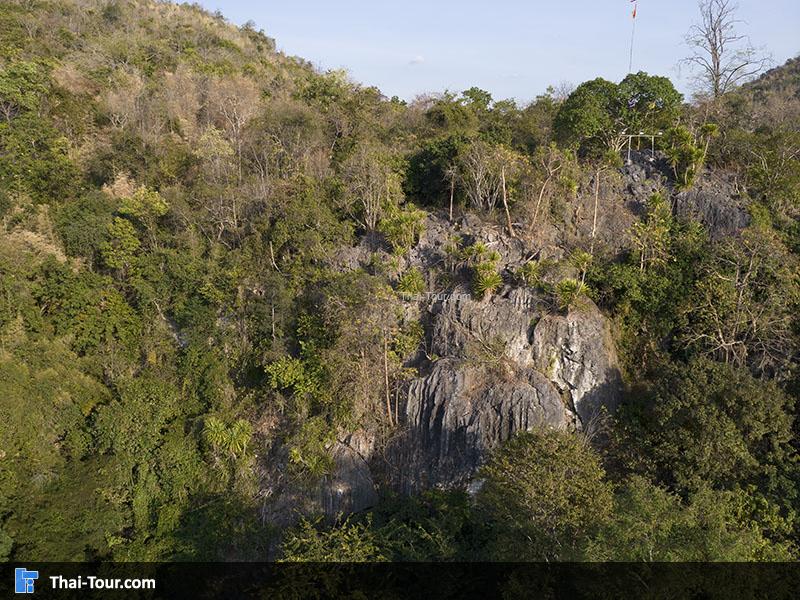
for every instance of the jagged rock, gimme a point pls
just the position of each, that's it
(462, 410)
(461, 324)
(350, 488)
(509, 366)
(575, 351)
(643, 177)
(714, 202)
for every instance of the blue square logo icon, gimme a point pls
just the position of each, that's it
(23, 580)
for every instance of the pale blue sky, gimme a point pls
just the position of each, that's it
(514, 49)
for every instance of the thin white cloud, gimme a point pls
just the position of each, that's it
(417, 60)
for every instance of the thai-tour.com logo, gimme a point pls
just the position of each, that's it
(24, 582)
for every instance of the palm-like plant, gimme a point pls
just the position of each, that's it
(486, 279)
(238, 438)
(215, 432)
(569, 292)
(231, 441)
(530, 273)
(412, 282)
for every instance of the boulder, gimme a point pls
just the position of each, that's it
(575, 352)
(462, 410)
(460, 324)
(714, 202)
(350, 488)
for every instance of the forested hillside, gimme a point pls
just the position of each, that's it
(254, 311)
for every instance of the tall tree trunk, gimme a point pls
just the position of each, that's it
(452, 193)
(596, 198)
(539, 201)
(386, 378)
(505, 203)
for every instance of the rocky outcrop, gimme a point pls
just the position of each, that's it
(350, 487)
(461, 410)
(714, 202)
(505, 365)
(461, 325)
(575, 351)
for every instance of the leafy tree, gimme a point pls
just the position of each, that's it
(119, 252)
(742, 305)
(590, 119)
(429, 177)
(144, 206)
(651, 237)
(649, 103)
(652, 524)
(544, 492)
(372, 186)
(595, 117)
(350, 542)
(83, 225)
(23, 84)
(709, 424)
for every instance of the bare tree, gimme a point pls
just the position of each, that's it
(371, 185)
(721, 57)
(232, 102)
(480, 175)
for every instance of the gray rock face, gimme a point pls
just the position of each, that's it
(460, 411)
(350, 488)
(576, 353)
(715, 203)
(506, 366)
(460, 324)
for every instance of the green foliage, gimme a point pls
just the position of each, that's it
(83, 225)
(176, 197)
(544, 493)
(86, 306)
(531, 273)
(119, 251)
(230, 440)
(569, 293)
(738, 310)
(685, 157)
(22, 87)
(595, 116)
(309, 448)
(710, 424)
(581, 260)
(649, 103)
(350, 543)
(402, 227)
(35, 160)
(647, 298)
(412, 282)
(293, 374)
(430, 169)
(589, 119)
(435, 525)
(486, 279)
(408, 338)
(654, 525)
(144, 206)
(651, 237)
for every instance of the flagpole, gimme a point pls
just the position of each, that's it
(633, 33)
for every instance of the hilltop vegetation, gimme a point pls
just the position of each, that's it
(179, 338)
